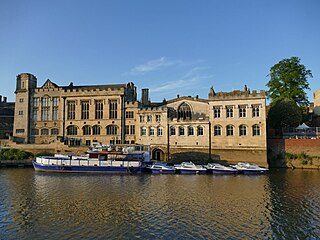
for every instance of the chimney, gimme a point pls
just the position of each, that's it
(145, 96)
(4, 99)
(0, 98)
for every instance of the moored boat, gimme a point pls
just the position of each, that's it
(190, 167)
(220, 169)
(249, 168)
(161, 168)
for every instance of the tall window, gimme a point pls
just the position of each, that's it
(190, 131)
(45, 114)
(72, 130)
(85, 110)
(55, 113)
(96, 130)
(143, 131)
(242, 111)
(35, 115)
(256, 130)
(141, 118)
(159, 131)
(36, 102)
(55, 101)
(172, 131)
(158, 118)
(45, 102)
(129, 114)
(181, 131)
(112, 130)
(127, 129)
(229, 130)
(151, 131)
(200, 131)
(149, 118)
(229, 112)
(242, 130)
(54, 131)
(71, 108)
(132, 129)
(184, 111)
(99, 109)
(217, 130)
(113, 107)
(216, 112)
(86, 130)
(255, 111)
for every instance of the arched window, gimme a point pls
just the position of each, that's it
(72, 130)
(217, 130)
(172, 131)
(184, 111)
(143, 131)
(86, 130)
(181, 131)
(54, 131)
(242, 130)
(200, 131)
(112, 130)
(256, 130)
(190, 131)
(229, 130)
(96, 130)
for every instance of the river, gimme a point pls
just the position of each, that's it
(281, 205)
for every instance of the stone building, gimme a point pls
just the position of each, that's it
(6, 118)
(316, 103)
(227, 125)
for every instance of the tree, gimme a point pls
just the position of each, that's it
(284, 113)
(288, 80)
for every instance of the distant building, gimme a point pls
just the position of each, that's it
(227, 125)
(6, 118)
(316, 103)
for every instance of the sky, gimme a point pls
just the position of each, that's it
(170, 46)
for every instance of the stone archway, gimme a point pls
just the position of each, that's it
(157, 154)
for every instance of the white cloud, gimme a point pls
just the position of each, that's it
(154, 65)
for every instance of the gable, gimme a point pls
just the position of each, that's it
(49, 85)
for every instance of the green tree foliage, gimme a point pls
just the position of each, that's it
(284, 113)
(14, 154)
(288, 80)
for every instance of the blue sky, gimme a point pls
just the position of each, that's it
(169, 46)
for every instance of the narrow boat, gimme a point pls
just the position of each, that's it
(249, 168)
(220, 169)
(161, 168)
(125, 161)
(190, 167)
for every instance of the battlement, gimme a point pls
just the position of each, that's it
(236, 94)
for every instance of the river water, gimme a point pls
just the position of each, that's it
(280, 205)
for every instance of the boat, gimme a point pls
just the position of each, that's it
(190, 167)
(128, 160)
(161, 168)
(249, 168)
(220, 169)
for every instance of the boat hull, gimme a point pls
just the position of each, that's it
(85, 169)
(220, 171)
(252, 172)
(192, 171)
(163, 170)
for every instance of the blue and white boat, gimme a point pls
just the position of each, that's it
(249, 168)
(161, 168)
(125, 161)
(220, 169)
(190, 167)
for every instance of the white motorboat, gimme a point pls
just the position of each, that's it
(249, 168)
(190, 167)
(161, 168)
(220, 169)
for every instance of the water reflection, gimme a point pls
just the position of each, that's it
(63, 206)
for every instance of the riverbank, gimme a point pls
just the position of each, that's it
(16, 163)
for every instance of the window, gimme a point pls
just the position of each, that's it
(229, 130)
(55, 114)
(45, 102)
(86, 130)
(216, 112)
(217, 130)
(55, 101)
(127, 129)
(71, 108)
(181, 131)
(99, 109)
(35, 115)
(172, 131)
(158, 118)
(96, 130)
(85, 110)
(35, 132)
(143, 131)
(159, 131)
(255, 111)
(20, 112)
(256, 130)
(151, 131)
(21, 100)
(44, 132)
(132, 129)
(45, 114)
(113, 107)
(242, 111)
(242, 130)
(149, 118)
(19, 130)
(184, 111)
(112, 130)
(190, 131)
(200, 131)
(54, 131)
(129, 114)
(72, 130)
(36, 102)
(229, 112)
(141, 118)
